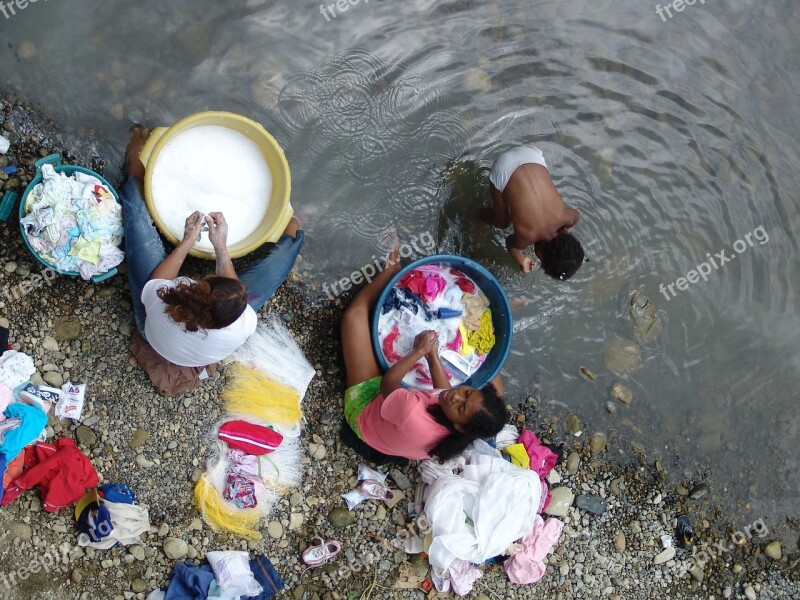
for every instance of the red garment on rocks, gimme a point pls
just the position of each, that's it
(62, 472)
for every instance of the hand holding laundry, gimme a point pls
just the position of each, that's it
(191, 230)
(217, 229)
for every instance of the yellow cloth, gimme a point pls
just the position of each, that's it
(483, 339)
(519, 456)
(466, 349)
(86, 250)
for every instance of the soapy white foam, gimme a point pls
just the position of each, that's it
(212, 169)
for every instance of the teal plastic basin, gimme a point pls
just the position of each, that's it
(55, 160)
(498, 304)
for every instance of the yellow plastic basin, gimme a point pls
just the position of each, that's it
(279, 212)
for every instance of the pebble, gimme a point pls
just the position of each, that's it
(295, 521)
(19, 531)
(175, 548)
(590, 503)
(622, 393)
(77, 575)
(10, 266)
(573, 463)
(750, 593)
(85, 436)
(611, 407)
(664, 556)
(143, 462)
(139, 586)
(574, 425)
(50, 344)
(773, 550)
(139, 439)
(560, 501)
(53, 378)
(696, 572)
(275, 530)
(341, 517)
(699, 491)
(597, 443)
(67, 329)
(403, 482)
(137, 552)
(619, 542)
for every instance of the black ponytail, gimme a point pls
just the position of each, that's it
(486, 423)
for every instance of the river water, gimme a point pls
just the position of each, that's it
(674, 136)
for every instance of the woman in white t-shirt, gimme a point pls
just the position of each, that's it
(194, 323)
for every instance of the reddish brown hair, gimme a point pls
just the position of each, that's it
(213, 302)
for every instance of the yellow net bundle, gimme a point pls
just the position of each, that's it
(253, 393)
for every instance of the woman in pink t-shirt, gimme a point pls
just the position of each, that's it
(410, 423)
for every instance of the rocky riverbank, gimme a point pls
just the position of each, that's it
(79, 331)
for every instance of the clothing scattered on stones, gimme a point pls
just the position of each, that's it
(460, 576)
(23, 423)
(192, 582)
(74, 222)
(16, 368)
(445, 300)
(128, 522)
(62, 472)
(528, 565)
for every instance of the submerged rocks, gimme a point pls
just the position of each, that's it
(646, 322)
(587, 374)
(699, 491)
(574, 425)
(623, 357)
(622, 393)
(597, 443)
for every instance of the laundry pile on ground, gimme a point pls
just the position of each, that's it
(228, 576)
(443, 299)
(257, 450)
(74, 222)
(484, 507)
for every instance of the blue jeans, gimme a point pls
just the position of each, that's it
(145, 251)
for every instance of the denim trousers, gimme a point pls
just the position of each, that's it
(144, 251)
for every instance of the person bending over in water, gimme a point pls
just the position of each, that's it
(409, 423)
(193, 323)
(523, 194)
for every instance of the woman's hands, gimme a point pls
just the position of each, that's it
(192, 227)
(217, 230)
(427, 344)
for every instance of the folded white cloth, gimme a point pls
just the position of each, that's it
(129, 521)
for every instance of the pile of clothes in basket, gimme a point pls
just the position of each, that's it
(74, 222)
(441, 298)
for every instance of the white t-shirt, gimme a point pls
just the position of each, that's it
(186, 348)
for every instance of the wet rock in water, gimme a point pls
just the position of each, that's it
(477, 80)
(590, 503)
(574, 425)
(341, 517)
(611, 407)
(664, 556)
(66, 330)
(27, 49)
(646, 322)
(175, 548)
(560, 501)
(773, 550)
(597, 443)
(623, 357)
(699, 491)
(86, 437)
(622, 393)
(403, 482)
(587, 374)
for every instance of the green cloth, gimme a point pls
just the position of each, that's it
(86, 250)
(356, 399)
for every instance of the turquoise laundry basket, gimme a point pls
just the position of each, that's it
(498, 303)
(55, 160)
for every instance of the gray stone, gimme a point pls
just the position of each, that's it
(275, 530)
(597, 443)
(664, 556)
(699, 491)
(560, 502)
(403, 482)
(573, 463)
(144, 462)
(50, 344)
(623, 357)
(619, 542)
(19, 531)
(750, 593)
(139, 439)
(67, 329)
(647, 324)
(137, 552)
(139, 586)
(53, 378)
(341, 517)
(622, 393)
(590, 503)
(773, 550)
(697, 573)
(175, 548)
(86, 437)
